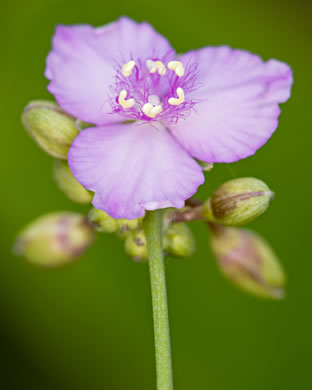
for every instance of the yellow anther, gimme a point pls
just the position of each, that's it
(151, 66)
(174, 101)
(155, 66)
(177, 66)
(122, 100)
(161, 68)
(126, 69)
(151, 111)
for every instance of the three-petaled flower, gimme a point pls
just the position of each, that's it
(155, 111)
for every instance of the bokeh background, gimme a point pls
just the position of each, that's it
(89, 325)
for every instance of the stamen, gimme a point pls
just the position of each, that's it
(174, 101)
(177, 66)
(122, 100)
(126, 69)
(151, 111)
(153, 66)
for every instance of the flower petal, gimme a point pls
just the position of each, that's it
(82, 63)
(80, 76)
(237, 110)
(133, 168)
(126, 39)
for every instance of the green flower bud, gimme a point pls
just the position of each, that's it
(55, 239)
(248, 261)
(206, 167)
(102, 222)
(82, 125)
(69, 185)
(180, 240)
(238, 202)
(136, 246)
(126, 225)
(51, 127)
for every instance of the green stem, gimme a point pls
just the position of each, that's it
(153, 231)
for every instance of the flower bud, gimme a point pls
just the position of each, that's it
(180, 240)
(248, 261)
(126, 225)
(51, 127)
(238, 202)
(102, 222)
(69, 185)
(81, 125)
(206, 167)
(55, 239)
(136, 246)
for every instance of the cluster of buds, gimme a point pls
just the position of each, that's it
(242, 256)
(177, 237)
(59, 238)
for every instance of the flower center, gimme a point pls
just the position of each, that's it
(153, 90)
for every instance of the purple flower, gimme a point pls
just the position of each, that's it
(155, 111)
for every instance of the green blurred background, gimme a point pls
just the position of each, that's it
(89, 325)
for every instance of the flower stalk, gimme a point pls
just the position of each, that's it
(153, 231)
(187, 215)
